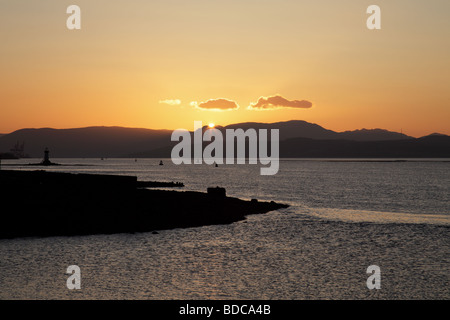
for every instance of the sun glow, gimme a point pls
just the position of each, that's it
(211, 125)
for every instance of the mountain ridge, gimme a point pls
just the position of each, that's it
(116, 141)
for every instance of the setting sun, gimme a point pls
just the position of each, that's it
(211, 125)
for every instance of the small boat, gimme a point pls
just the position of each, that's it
(161, 163)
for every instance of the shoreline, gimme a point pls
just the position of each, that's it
(44, 204)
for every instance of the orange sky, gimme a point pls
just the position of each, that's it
(131, 55)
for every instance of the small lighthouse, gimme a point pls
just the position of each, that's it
(46, 161)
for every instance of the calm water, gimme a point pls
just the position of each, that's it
(344, 216)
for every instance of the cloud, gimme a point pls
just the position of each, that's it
(277, 101)
(175, 102)
(216, 105)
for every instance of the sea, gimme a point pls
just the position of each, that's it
(345, 215)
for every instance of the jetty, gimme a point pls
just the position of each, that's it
(39, 203)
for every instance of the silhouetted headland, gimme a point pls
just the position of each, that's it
(159, 184)
(40, 204)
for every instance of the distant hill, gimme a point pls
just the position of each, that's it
(372, 135)
(426, 147)
(303, 129)
(290, 129)
(88, 142)
(297, 139)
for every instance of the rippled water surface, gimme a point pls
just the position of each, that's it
(344, 216)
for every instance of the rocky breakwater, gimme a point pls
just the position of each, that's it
(41, 204)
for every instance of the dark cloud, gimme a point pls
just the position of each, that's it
(277, 101)
(216, 104)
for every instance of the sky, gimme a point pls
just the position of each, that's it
(163, 64)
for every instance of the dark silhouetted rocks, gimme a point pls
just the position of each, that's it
(217, 192)
(158, 184)
(40, 204)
